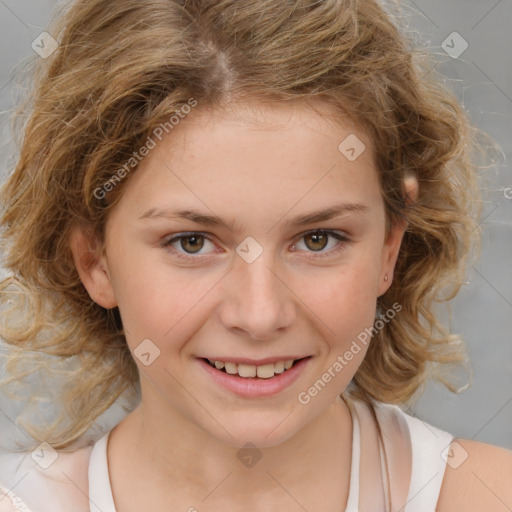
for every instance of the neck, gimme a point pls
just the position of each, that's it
(170, 449)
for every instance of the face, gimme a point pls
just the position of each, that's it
(247, 278)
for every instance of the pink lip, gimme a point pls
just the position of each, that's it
(254, 387)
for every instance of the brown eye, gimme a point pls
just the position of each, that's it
(322, 243)
(318, 240)
(192, 243)
(189, 245)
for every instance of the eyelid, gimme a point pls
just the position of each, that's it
(342, 237)
(179, 236)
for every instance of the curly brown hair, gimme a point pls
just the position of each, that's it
(121, 68)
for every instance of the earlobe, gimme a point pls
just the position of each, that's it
(390, 255)
(92, 267)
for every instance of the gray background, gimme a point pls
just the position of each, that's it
(482, 313)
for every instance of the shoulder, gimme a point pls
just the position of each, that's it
(45, 480)
(9, 502)
(478, 477)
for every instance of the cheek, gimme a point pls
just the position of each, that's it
(344, 303)
(157, 302)
(344, 298)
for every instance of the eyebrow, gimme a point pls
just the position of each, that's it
(213, 220)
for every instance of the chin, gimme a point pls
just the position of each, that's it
(262, 430)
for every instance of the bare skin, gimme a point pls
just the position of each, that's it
(255, 174)
(269, 485)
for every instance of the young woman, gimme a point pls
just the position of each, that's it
(240, 214)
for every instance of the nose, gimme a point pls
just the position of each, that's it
(258, 300)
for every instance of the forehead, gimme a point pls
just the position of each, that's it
(253, 156)
(309, 119)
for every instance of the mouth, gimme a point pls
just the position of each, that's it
(255, 381)
(262, 371)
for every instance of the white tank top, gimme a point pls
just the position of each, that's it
(79, 481)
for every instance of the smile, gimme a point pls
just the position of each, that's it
(266, 371)
(251, 380)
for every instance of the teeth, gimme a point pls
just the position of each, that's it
(265, 371)
(231, 368)
(247, 370)
(279, 367)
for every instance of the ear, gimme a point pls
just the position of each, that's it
(92, 267)
(394, 240)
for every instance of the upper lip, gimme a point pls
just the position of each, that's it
(255, 362)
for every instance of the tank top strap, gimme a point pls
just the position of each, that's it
(100, 491)
(384, 472)
(395, 455)
(353, 493)
(429, 446)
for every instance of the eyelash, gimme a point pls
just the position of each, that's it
(338, 248)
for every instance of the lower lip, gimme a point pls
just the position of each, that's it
(254, 387)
